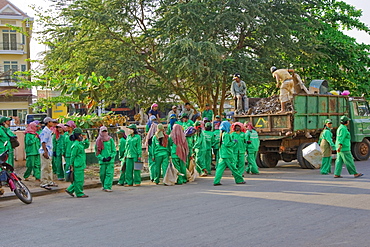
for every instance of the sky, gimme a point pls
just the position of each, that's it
(36, 48)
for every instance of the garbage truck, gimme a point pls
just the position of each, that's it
(283, 136)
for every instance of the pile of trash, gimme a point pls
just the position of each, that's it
(270, 105)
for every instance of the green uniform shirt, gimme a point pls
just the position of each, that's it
(252, 136)
(326, 142)
(200, 142)
(58, 145)
(67, 145)
(186, 125)
(241, 144)
(122, 147)
(78, 155)
(133, 146)
(172, 147)
(344, 138)
(209, 137)
(216, 139)
(208, 114)
(4, 137)
(227, 146)
(108, 151)
(157, 149)
(32, 144)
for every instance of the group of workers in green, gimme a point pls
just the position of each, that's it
(342, 146)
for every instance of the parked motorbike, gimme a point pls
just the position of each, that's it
(9, 177)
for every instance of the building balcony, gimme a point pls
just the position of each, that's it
(12, 48)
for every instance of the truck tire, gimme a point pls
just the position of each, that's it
(270, 160)
(302, 161)
(361, 150)
(259, 161)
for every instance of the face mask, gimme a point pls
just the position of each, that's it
(80, 138)
(130, 131)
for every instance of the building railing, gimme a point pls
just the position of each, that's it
(10, 46)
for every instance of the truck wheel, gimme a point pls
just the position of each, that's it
(361, 150)
(302, 161)
(259, 161)
(270, 160)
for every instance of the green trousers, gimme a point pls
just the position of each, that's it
(10, 160)
(239, 159)
(325, 165)
(208, 160)
(58, 166)
(151, 165)
(66, 166)
(77, 186)
(33, 165)
(161, 163)
(346, 158)
(106, 175)
(53, 164)
(252, 164)
(122, 176)
(132, 176)
(181, 167)
(200, 160)
(222, 164)
(216, 154)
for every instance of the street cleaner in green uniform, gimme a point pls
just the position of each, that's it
(179, 152)
(32, 145)
(133, 152)
(253, 144)
(327, 146)
(68, 144)
(217, 136)
(160, 151)
(210, 139)
(105, 151)
(5, 132)
(343, 145)
(238, 134)
(58, 151)
(78, 163)
(226, 156)
(200, 150)
(121, 151)
(189, 135)
(148, 147)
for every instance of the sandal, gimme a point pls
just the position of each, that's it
(69, 193)
(83, 196)
(336, 176)
(358, 175)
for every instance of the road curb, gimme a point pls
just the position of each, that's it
(42, 192)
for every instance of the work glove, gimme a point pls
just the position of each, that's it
(54, 154)
(249, 142)
(104, 159)
(109, 158)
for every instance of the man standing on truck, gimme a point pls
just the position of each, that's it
(284, 80)
(343, 145)
(238, 90)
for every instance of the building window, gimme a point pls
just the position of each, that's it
(23, 67)
(19, 113)
(9, 40)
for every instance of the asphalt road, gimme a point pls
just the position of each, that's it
(284, 206)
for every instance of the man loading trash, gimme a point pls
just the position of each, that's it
(284, 80)
(238, 90)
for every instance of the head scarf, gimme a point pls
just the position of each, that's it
(103, 137)
(160, 134)
(56, 132)
(37, 122)
(154, 105)
(32, 128)
(151, 133)
(71, 124)
(249, 126)
(225, 126)
(242, 127)
(216, 125)
(151, 120)
(178, 137)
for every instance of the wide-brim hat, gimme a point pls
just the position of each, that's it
(132, 126)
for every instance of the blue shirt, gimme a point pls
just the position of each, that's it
(153, 112)
(46, 137)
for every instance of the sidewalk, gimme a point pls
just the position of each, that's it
(37, 191)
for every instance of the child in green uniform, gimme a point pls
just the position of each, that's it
(121, 154)
(160, 151)
(238, 135)
(226, 156)
(133, 152)
(58, 151)
(105, 151)
(327, 146)
(78, 163)
(209, 141)
(253, 144)
(179, 152)
(32, 146)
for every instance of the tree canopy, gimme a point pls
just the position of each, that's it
(160, 50)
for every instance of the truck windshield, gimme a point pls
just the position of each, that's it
(362, 109)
